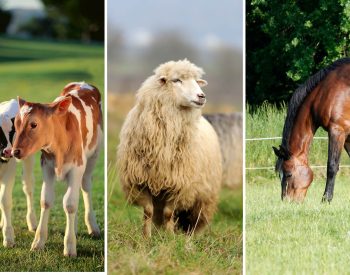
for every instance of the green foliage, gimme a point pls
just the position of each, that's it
(37, 71)
(70, 19)
(289, 41)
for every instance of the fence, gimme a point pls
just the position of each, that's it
(272, 167)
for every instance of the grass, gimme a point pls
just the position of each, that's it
(218, 250)
(291, 238)
(37, 71)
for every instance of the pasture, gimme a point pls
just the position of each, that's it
(291, 238)
(37, 71)
(218, 250)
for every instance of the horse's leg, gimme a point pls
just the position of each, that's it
(336, 142)
(347, 146)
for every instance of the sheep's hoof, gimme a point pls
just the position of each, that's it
(9, 243)
(146, 233)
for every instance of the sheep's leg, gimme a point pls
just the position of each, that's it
(46, 202)
(70, 206)
(90, 218)
(28, 189)
(168, 214)
(144, 199)
(6, 187)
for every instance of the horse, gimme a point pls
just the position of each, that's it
(322, 101)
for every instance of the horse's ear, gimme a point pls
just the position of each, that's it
(282, 153)
(285, 153)
(277, 152)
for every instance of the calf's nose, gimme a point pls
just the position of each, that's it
(17, 153)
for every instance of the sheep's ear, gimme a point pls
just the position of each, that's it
(202, 82)
(162, 80)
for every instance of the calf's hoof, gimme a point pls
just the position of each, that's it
(95, 234)
(9, 243)
(69, 254)
(37, 245)
(31, 222)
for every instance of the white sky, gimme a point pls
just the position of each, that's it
(33, 4)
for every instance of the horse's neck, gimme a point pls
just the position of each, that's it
(302, 133)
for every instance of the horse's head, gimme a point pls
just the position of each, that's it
(295, 174)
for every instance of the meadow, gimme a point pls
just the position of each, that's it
(290, 238)
(37, 71)
(218, 250)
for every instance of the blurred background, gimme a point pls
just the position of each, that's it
(142, 36)
(43, 46)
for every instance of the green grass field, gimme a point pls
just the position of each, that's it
(217, 251)
(291, 238)
(37, 71)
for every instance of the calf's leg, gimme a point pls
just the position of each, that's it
(46, 202)
(28, 189)
(90, 218)
(6, 187)
(70, 206)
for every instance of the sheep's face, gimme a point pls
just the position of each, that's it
(188, 92)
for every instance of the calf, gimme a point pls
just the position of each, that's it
(8, 111)
(68, 132)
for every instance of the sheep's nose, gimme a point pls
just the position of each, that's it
(17, 153)
(201, 96)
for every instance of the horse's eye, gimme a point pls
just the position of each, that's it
(288, 175)
(177, 80)
(33, 125)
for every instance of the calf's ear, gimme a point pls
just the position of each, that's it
(61, 107)
(202, 82)
(20, 101)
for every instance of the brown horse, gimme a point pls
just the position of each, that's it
(322, 101)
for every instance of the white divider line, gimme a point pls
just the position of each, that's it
(312, 166)
(273, 138)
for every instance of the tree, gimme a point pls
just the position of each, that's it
(287, 41)
(77, 18)
(5, 19)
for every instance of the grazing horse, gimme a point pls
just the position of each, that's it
(322, 101)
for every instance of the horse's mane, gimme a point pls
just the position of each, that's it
(298, 98)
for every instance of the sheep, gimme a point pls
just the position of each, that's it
(229, 130)
(169, 158)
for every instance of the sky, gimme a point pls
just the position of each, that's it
(33, 4)
(205, 22)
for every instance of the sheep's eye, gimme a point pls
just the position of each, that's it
(33, 125)
(177, 80)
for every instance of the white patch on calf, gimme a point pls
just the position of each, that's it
(59, 98)
(83, 85)
(76, 113)
(88, 118)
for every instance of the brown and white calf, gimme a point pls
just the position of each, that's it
(8, 111)
(68, 131)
